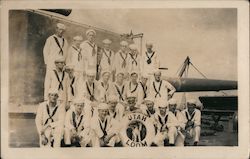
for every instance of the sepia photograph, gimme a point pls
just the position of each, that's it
(150, 78)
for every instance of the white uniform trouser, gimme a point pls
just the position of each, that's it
(160, 137)
(85, 136)
(115, 139)
(50, 134)
(172, 134)
(194, 133)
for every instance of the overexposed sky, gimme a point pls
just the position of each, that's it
(208, 36)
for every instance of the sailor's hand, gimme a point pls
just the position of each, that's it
(44, 140)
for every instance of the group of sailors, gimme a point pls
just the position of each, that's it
(82, 110)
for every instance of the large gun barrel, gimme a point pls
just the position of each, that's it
(195, 84)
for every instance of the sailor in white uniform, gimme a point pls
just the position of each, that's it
(107, 59)
(132, 87)
(90, 50)
(118, 87)
(103, 130)
(77, 130)
(160, 88)
(150, 60)
(191, 122)
(55, 47)
(121, 59)
(144, 88)
(105, 86)
(134, 60)
(49, 121)
(57, 79)
(76, 57)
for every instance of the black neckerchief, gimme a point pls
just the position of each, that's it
(93, 48)
(162, 122)
(91, 94)
(149, 60)
(159, 89)
(120, 92)
(71, 86)
(144, 88)
(104, 128)
(58, 44)
(50, 115)
(134, 59)
(108, 56)
(79, 51)
(124, 60)
(60, 86)
(134, 88)
(76, 125)
(192, 115)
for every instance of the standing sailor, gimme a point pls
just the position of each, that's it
(121, 59)
(49, 120)
(150, 60)
(76, 57)
(105, 86)
(90, 50)
(55, 47)
(57, 79)
(132, 87)
(107, 59)
(160, 88)
(134, 62)
(144, 88)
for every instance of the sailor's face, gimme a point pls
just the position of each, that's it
(90, 78)
(150, 105)
(144, 80)
(77, 43)
(106, 76)
(91, 36)
(60, 65)
(53, 97)
(191, 107)
(123, 47)
(172, 107)
(134, 77)
(79, 107)
(163, 110)
(59, 32)
(157, 76)
(120, 77)
(106, 46)
(131, 103)
(103, 113)
(112, 105)
(149, 48)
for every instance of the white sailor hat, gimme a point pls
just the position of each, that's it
(172, 101)
(119, 72)
(90, 30)
(133, 72)
(52, 91)
(161, 103)
(133, 47)
(124, 43)
(102, 106)
(192, 101)
(106, 72)
(60, 59)
(156, 71)
(112, 98)
(131, 96)
(61, 26)
(91, 72)
(78, 38)
(148, 100)
(79, 101)
(149, 43)
(107, 41)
